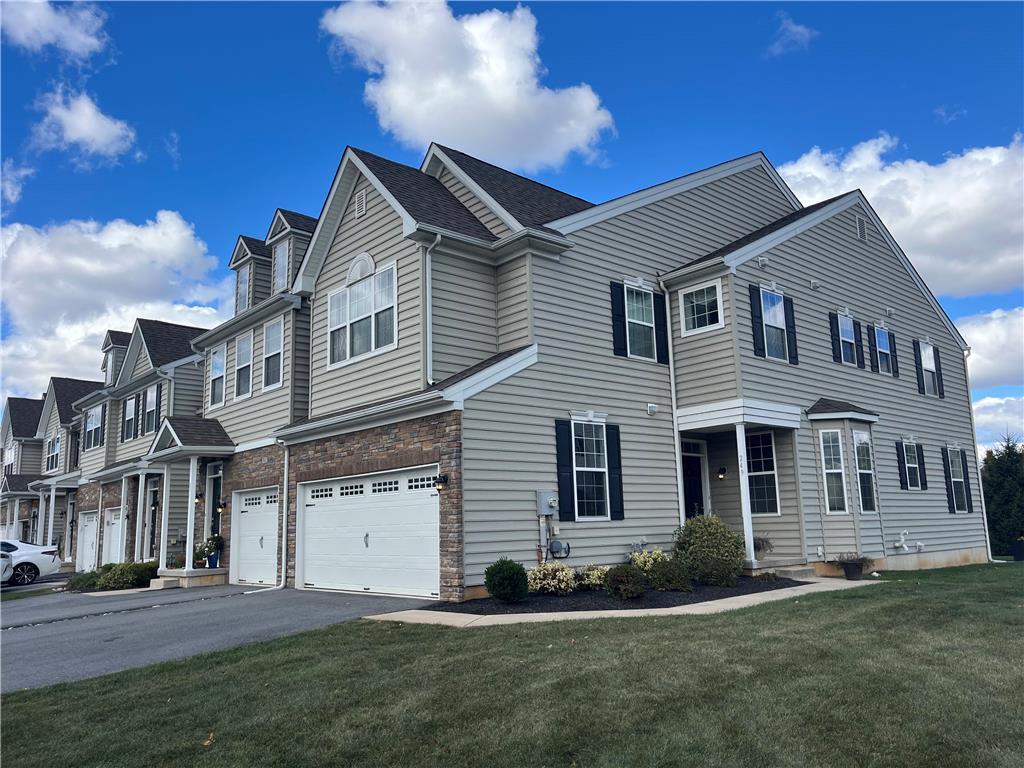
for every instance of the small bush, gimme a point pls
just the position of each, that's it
(551, 578)
(82, 582)
(625, 582)
(712, 552)
(670, 575)
(127, 576)
(591, 576)
(145, 572)
(506, 580)
(646, 560)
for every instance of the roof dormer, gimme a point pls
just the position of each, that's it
(251, 261)
(115, 345)
(287, 239)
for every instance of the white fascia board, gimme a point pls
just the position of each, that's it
(738, 411)
(666, 189)
(319, 428)
(252, 445)
(131, 355)
(456, 170)
(431, 408)
(44, 415)
(461, 391)
(240, 322)
(843, 416)
(165, 425)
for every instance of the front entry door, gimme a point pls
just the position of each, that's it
(113, 520)
(87, 525)
(693, 486)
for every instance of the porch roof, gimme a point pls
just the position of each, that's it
(726, 413)
(826, 408)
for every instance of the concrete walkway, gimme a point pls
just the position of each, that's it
(450, 619)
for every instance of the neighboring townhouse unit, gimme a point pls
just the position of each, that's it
(21, 458)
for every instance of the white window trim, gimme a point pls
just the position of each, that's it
(764, 326)
(774, 472)
(852, 340)
(373, 326)
(878, 350)
(53, 452)
(825, 471)
(907, 463)
(626, 288)
(279, 353)
(152, 404)
(247, 270)
(681, 297)
(234, 389)
(575, 493)
(98, 409)
(223, 349)
(925, 370)
(874, 479)
(950, 454)
(275, 261)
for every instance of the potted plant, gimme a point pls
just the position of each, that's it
(763, 546)
(199, 555)
(214, 546)
(853, 565)
(1017, 548)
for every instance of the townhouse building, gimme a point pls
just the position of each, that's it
(21, 458)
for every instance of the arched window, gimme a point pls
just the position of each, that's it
(362, 267)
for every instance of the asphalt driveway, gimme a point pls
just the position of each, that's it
(62, 637)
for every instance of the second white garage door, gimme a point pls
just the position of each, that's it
(377, 533)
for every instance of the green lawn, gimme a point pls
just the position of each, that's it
(8, 596)
(924, 670)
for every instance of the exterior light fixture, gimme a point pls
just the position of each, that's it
(199, 499)
(152, 507)
(722, 472)
(440, 482)
(220, 506)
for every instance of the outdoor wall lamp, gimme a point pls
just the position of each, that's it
(722, 472)
(152, 507)
(199, 499)
(220, 506)
(440, 482)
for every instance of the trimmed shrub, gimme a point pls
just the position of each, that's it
(506, 580)
(551, 578)
(590, 576)
(625, 581)
(646, 560)
(127, 576)
(146, 572)
(82, 582)
(712, 552)
(670, 575)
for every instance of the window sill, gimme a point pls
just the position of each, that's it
(837, 514)
(766, 514)
(360, 358)
(605, 519)
(699, 331)
(271, 388)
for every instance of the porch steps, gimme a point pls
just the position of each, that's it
(165, 582)
(796, 572)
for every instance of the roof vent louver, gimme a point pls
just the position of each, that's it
(360, 203)
(862, 229)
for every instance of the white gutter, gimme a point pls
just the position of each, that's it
(429, 298)
(974, 432)
(675, 406)
(284, 529)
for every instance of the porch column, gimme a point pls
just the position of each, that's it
(190, 538)
(139, 512)
(123, 544)
(748, 521)
(40, 518)
(53, 511)
(165, 520)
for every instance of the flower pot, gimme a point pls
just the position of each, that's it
(853, 571)
(212, 560)
(199, 564)
(1017, 549)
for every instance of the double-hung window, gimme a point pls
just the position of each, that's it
(273, 345)
(847, 340)
(773, 313)
(361, 317)
(883, 350)
(242, 298)
(865, 471)
(700, 306)
(590, 470)
(640, 323)
(53, 453)
(128, 418)
(152, 403)
(913, 467)
(762, 483)
(280, 266)
(94, 427)
(956, 479)
(931, 378)
(832, 464)
(243, 366)
(217, 377)
(108, 369)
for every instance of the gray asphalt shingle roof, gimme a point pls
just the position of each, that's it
(167, 342)
(197, 431)
(828, 405)
(19, 483)
(68, 391)
(119, 338)
(24, 413)
(256, 246)
(298, 221)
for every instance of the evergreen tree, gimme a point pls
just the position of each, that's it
(1002, 474)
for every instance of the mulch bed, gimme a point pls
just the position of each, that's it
(599, 600)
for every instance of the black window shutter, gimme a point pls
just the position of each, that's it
(660, 329)
(938, 370)
(787, 305)
(618, 291)
(858, 337)
(566, 481)
(138, 412)
(833, 327)
(757, 320)
(614, 447)
(920, 467)
(949, 480)
(103, 423)
(124, 413)
(872, 349)
(159, 389)
(917, 365)
(144, 400)
(892, 351)
(967, 481)
(901, 461)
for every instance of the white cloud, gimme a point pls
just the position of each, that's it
(959, 220)
(75, 121)
(997, 347)
(12, 179)
(105, 275)
(76, 29)
(947, 115)
(995, 417)
(790, 36)
(471, 81)
(172, 145)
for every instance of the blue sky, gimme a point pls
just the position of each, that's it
(236, 108)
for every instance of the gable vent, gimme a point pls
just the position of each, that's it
(862, 229)
(360, 203)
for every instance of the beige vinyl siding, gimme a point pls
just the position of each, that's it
(705, 362)
(139, 446)
(261, 280)
(94, 459)
(30, 455)
(118, 357)
(514, 327)
(300, 363)
(296, 252)
(475, 205)
(177, 510)
(381, 375)
(188, 389)
(52, 428)
(255, 417)
(867, 278)
(463, 294)
(142, 364)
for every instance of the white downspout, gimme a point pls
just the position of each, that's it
(284, 528)
(429, 301)
(675, 405)
(974, 434)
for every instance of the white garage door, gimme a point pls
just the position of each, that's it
(377, 533)
(254, 539)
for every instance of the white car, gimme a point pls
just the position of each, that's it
(6, 566)
(29, 561)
